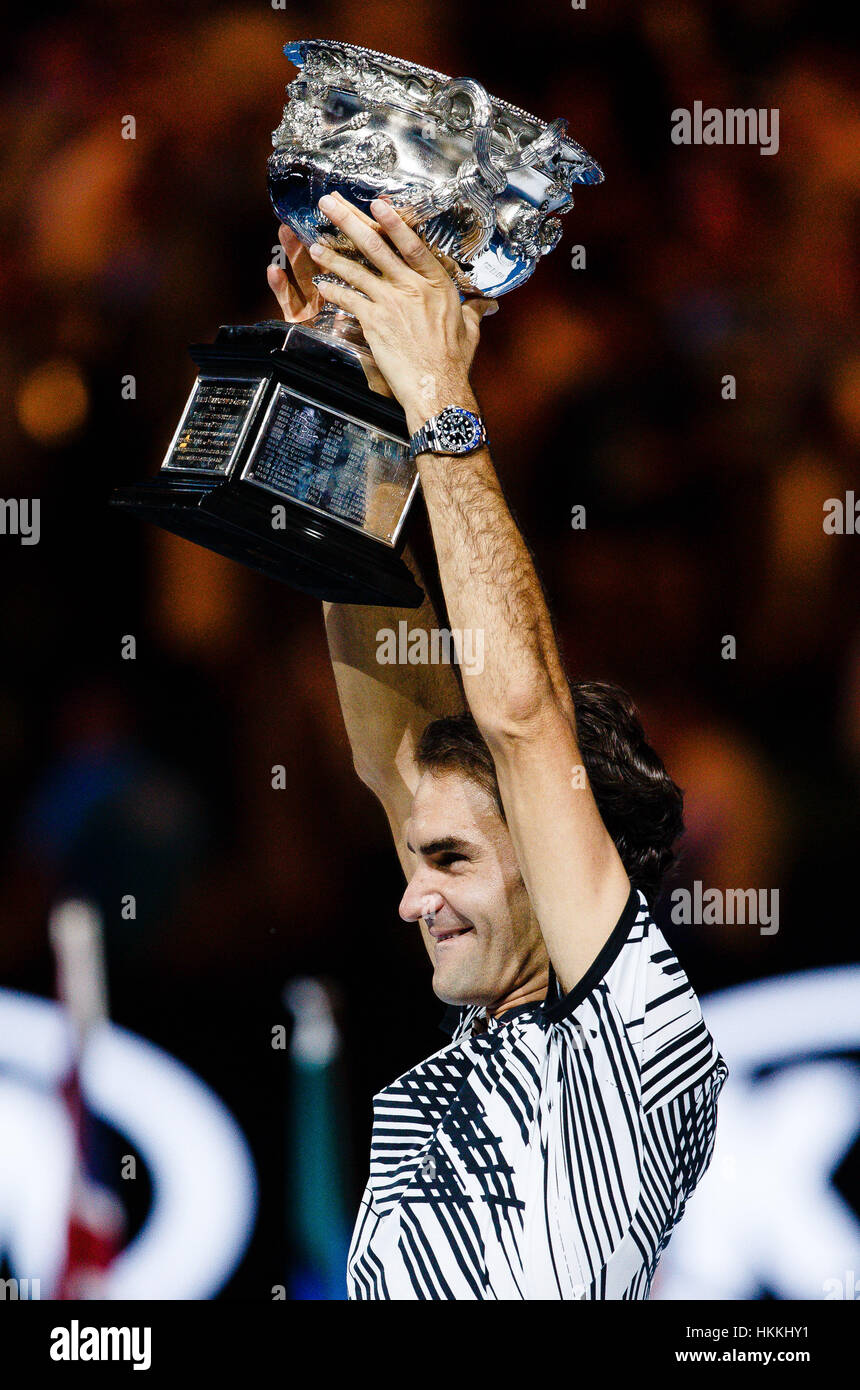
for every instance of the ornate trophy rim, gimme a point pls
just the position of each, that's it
(404, 66)
(484, 181)
(580, 166)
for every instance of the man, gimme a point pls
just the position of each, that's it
(549, 1149)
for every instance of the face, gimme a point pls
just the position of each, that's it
(467, 892)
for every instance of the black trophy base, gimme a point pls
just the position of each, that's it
(315, 557)
(226, 491)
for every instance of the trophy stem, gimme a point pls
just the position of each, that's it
(332, 322)
(340, 332)
(335, 324)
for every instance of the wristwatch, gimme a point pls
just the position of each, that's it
(453, 431)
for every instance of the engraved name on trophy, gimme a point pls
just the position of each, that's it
(285, 458)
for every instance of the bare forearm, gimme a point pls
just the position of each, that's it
(385, 704)
(418, 332)
(490, 585)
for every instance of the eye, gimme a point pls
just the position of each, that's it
(449, 857)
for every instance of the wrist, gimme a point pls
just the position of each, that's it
(423, 404)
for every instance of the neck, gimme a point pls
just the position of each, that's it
(531, 993)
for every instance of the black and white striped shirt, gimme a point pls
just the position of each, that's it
(551, 1154)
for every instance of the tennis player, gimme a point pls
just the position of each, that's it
(548, 1149)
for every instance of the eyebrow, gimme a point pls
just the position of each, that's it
(443, 844)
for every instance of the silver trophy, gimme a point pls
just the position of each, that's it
(287, 457)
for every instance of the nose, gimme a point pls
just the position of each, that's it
(419, 901)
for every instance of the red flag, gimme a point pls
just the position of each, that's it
(96, 1220)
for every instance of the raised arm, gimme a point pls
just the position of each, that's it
(521, 702)
(385, 706)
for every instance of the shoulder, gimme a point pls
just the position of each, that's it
(637, 986)
(618, 968)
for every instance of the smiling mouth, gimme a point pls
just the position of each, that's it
(441, 937)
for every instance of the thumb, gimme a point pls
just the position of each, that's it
(476, 307)
(473, 310)
(293, 304)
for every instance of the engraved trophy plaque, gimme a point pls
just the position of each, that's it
(285, 457)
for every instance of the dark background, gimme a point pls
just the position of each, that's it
(601, 387)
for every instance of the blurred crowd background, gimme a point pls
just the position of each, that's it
(601, 386)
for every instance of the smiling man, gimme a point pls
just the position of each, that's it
(548, 1150)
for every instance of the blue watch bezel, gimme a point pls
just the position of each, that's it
(477, 428)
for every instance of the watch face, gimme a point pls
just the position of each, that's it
(457, 430)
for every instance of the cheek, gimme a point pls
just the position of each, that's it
(492, 907)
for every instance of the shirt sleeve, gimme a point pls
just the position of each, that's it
(632, 1090)
(687, 1126)
(636, 1005)
(680, 1072)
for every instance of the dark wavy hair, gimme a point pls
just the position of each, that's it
(642, 808)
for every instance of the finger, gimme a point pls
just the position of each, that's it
(353, 272)
(415, 253)
(346, 298)
(448, 264)
(371, 245)
(292, 295)
(291, 304)
(374, 226)
(294, 307)
(284, 289)
(288, 238)
(301, 268)
(368, 221)
(373, 376)
(476, 308)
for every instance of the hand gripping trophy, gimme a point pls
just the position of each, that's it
(287, 456)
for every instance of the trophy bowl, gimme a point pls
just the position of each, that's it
(482, 182)
(290, 455)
